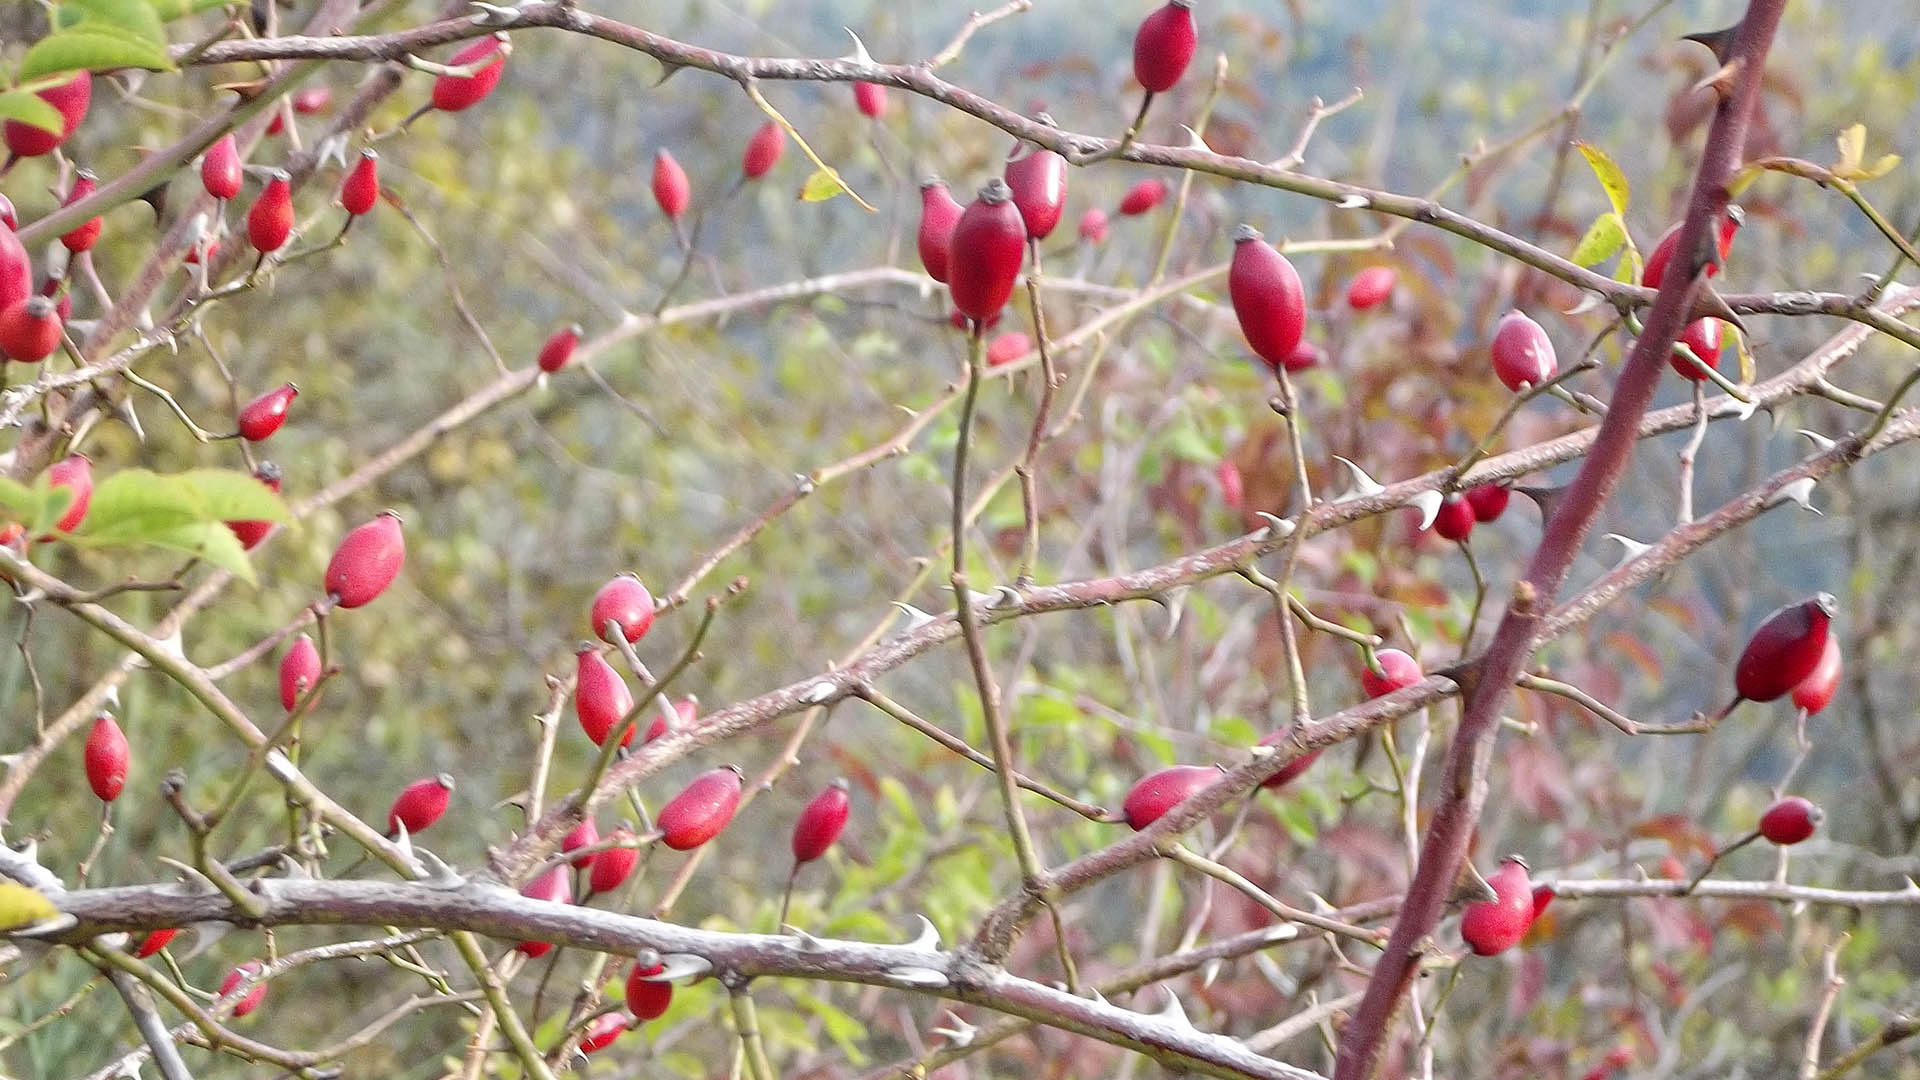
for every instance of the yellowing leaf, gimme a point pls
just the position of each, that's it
(1880, 168)
(1609, 175)
(22, 907)
(1746, 354)
(1603, 239)
(824, 184)
(1853, 146)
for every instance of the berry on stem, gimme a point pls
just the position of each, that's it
(1489, 501)
(299, 671)
(1267, 297)
(270, 220)
(1164, 45)
(1814, 692)
(361, 189)
(612, 867)
(820, 822)
(154, 942)
(1523, 355)
(1093, 225)
(983, 260)
(646, 999)
(1143, 196)
(1455, 518)
(1702, 337)
(250, 533)
(1233, 486)
(30, 329)
(763, 151)
(254, 996)
(70, 99)
(1038, 179)
(83, 236)
(870, 99)
(1399, 672)
(1656, 269)
(1790, 820)
(602, 1032)
(600, 696)
(75, 473)
(452, 93)
(367, 561)
(1494, 926)
(106, 758)
(1304, 356)
(701, 810)
(16, 270)
(313, 99)
(586, 834)
(939, 213)
(1292, 769)
(1007, 348)
(625, 601)
(1784, 650)
(1371, 287)
(559, 348)
(553, 887)
(670, 187)
(262, 416)
(1152, 796)
(220, 170)
(420, 804)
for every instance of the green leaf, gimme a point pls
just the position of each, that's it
(1602, 241)
(36, 507)
(93, 47)
(231, 495)
(169, 10)
(824, 184)
(1609, 175)
(30, 108)
(135, 18)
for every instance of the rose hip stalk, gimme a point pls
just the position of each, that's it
(815, 831)
(1162, 49)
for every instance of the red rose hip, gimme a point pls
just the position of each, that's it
(559, 349)
(600, 696)
(1164, 45)
(106, 758)
(1143, 196)
(270, 220)
(701, 810)
(1701, 337)
(1814, 692)
(939, 213)
(624, 601)
(83, 237)
(452, 93)
(30, 329)
(1455, 517)
(763, 151)
(250, 533)
(1038, 179)
(220, 171)
(75, 473)
(1150, 799)
(1267, 297)
(612, 867)
(1785, 649)
(253, 997)
(1523, 355)
(820, 822)
(1400, 671)
(70, 100)
(1489, 501)
(1790, 820)
(361, 189)
(1494, 926)
(299, 672)
(646, 999)
(983, 260)
(870, 99)
(1371, 287)
(262, 416)
(420, 804)
(670, 186)
(367, 561)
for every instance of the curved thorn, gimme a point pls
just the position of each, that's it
(820, 692)
(1354, 202)
(1362, 483)
(859, 55)
(917, 976)
(928, 939)
(1004, 596)
(915, 617)
(1819, 441)
(1588, 302)
(680, 967)
(1174, 1013)
(1429, 504)
(1633, 548)
(1277, 528)
(1800, 492)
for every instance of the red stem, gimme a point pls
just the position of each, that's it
(1465, 788)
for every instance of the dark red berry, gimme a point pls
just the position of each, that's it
(1790, 820)
(1267, 297)
(262, 416)
(83, 236)
(1370, 287)
(612, 867)
(1542, 896)
(1093, 226)
(1007, 348)
(1291, 770)
(553, 887)
(1522, 353)
(250, 533)
(361, 189)
(1143, 196)
(1785, 649)
(685, 711)
(623, 600)
(670, 187)
(600, 696)
(313, 99)
(820, 822)
(106, 758)
(602, 1032)
(1494, 926)
(16, 270)
(983, 261)
(1150, 798)
(367, 561)
(220, 169)
(253, 997)
(559, 348)
(939, 213)
(1164, 45)
(30, 329)
(701, 810)
(871, 99)
(1489, 501)
(1455, 518)
(646, 999)
(270, 220)
(452, 93)
(1400, 671)
(154, 942)
(70, 99)
(1038, 179)
(299, 672)
(420, 804)
(1656, 269)
(584, 835)
(75, 473)
(1702, 338)
(763, 151)
(1304, 356)
(1814, 692)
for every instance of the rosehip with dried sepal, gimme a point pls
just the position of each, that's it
(670, 186)
(220, 171)
(1007, 348)
(366, 562)
(1702, 337)
(820, 822)
(270, 219)
(1522, 353)
(70, 100)
(262, 416)
(602, 1032)
(420, 804)
(1143, 196)
(1784, 650)
(83, 236)
(1038, 179)
(1494, 926)
(870, 99)
(1656, 269)
(360, 191)
(625, 601)
(1267, 297)
(1814, 692)
(1093, 226)
(553, 887)
(983, 260)
(1454, 520)
(1489, 501)
(253, 997)
(939, 213)
(75, 473)
(1150, 798)
(154, 942)
(600, 696)
(452, 93)
(250, 533)
(1398, 671)
(584, 835)
(1371, 287)
(647, 999)
(1542, 896)
(701, 810)
(960, 322)
(1790, 820)
(1164, 46)
(763, 151)
(559, 349)
(299, 672)
(612, 867)
(106, 757)
(30, 329)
